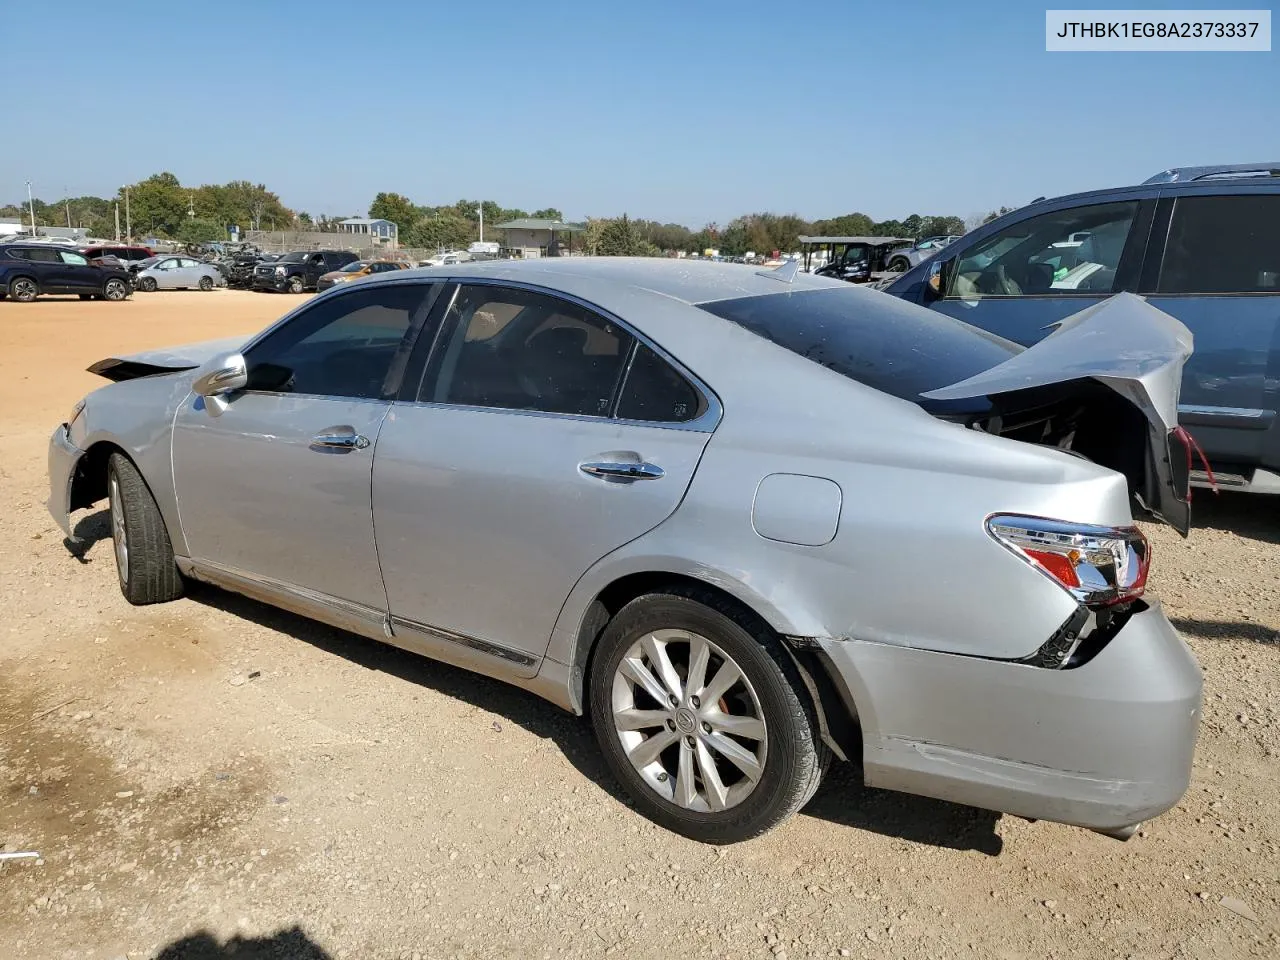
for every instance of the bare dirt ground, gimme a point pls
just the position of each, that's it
(212, 777)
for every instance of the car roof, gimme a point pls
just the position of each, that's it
(689, 282)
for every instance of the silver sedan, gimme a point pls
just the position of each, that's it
(746, 520)
(177, 273)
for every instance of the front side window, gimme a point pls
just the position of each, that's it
(73, 258)
(520, 350)
(170, 264)
(1060, 253)
(1223, 245)
(342, 347)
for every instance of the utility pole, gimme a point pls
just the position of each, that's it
(128, 220)
(66, 199)
(31, 206)
(480, 210)
(117, 221)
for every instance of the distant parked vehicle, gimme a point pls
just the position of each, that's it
(357, 269)
(445, 259)
(28, 270)
(904, 260)
(128, 254)
(178, 273)
(853, 259)
(300, 271)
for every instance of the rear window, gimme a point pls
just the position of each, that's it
(885, 343)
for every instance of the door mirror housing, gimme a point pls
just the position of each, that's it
(935, 287)
(225, 373)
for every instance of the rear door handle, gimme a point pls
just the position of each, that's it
(622, 470)
(341, 439)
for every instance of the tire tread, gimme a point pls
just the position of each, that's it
(153, 574)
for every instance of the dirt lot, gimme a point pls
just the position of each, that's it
(212, 777)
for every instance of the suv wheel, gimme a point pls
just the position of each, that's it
(24, 289)
(295, 284)
(115, 290)
(701, 719)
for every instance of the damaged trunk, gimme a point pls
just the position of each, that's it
(1104, 386)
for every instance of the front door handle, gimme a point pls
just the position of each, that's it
(622, 470)
(340, 440)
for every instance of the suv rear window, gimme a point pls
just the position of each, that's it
(1223, 245)
(885, 343)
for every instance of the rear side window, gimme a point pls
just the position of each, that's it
(655, 391)
(41, 255)
(885, 343)
(1223, 245)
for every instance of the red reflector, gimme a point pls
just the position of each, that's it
(1060, 566)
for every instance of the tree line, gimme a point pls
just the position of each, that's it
(161, 206)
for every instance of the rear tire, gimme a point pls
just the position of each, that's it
(23, 289)
(206, 284)
(763, 718)
(145, 567)
(147, 284)
(898, 265)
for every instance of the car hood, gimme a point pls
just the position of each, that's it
(128, 366)
(338, 274)
(1135, 350)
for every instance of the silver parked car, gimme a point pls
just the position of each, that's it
(177, 273)
(920, 251)
(744, 520)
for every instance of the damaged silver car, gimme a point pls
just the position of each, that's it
(746, 521)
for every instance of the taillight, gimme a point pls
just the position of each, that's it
(1099, 566)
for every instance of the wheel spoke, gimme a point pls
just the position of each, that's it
(699, 654)
(638, 673)
(634, 719)
(656, 650)
(645, 752)
(739, 756)
(686, 786)
(748, 727)
(725, 677)
(717, 792)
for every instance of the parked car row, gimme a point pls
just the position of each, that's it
(28, 270)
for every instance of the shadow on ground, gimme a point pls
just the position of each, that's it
(1252, 515)
(291, 944)
(842, 799)
(1227, 629)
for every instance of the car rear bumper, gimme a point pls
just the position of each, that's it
(64, 458)
(1104, 745)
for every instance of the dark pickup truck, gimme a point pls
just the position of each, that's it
(298, 272)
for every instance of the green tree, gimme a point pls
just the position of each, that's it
(846, 225)
(395, 207)
(199, 231)
(547, 213)
(618, 238)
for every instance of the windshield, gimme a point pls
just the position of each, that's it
(880, 341)
(354, 267)
(294, 257)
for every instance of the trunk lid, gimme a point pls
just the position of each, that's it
(1104, 385)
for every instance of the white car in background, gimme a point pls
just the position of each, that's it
(177, 273)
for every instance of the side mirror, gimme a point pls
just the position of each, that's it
(939, 278)
(223, 374)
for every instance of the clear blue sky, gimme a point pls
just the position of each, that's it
(693, 112)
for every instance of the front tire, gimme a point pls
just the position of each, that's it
(899, 265)
(115, 290)
(206, 284)
(295, 285)
(23, 289)
(698, 711)
(145, 567)
(147, 284)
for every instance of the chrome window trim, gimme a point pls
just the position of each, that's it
(1251, 413)
(705, 423)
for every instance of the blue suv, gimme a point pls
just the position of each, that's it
(1200, 243)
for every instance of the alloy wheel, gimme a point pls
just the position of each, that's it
(23, 290)
(689, 720)
(115, 290)
(119, 536)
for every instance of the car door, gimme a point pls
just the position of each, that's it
(543, 436)
(1215, 265)
(1019, 280)
(273, 486)
(51, 273)
(80, 276)
(188, 273)
(166, 273)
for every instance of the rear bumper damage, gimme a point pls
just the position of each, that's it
(1104, 745)
(64, 459)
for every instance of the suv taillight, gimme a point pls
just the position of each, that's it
(1099, 566)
